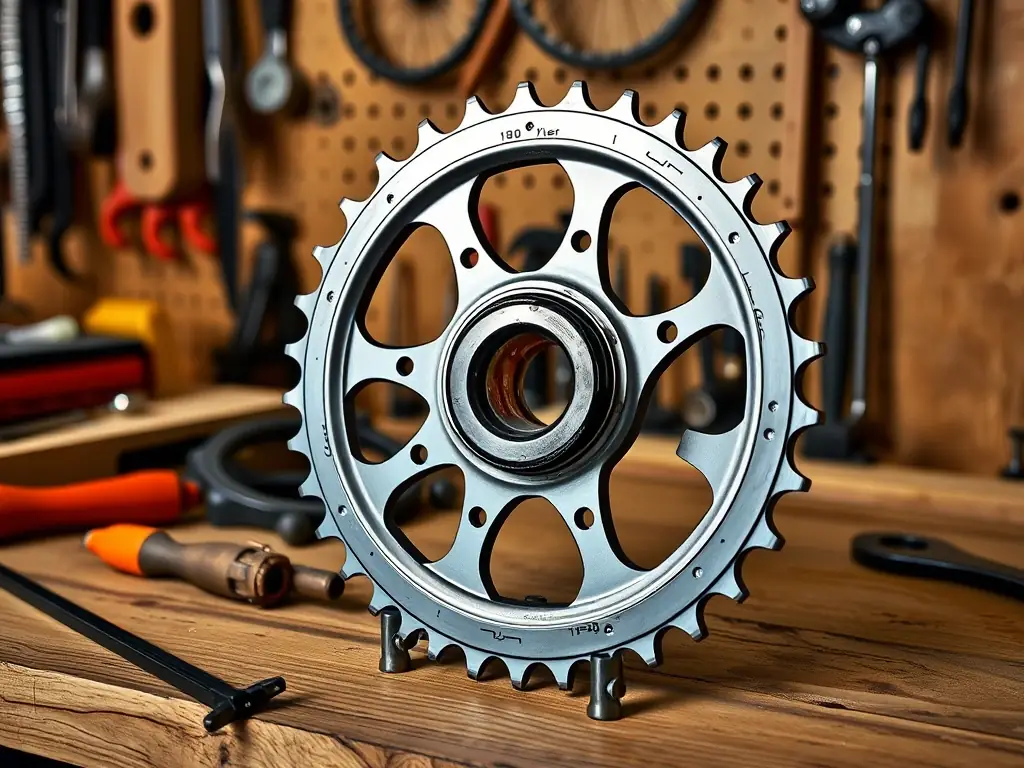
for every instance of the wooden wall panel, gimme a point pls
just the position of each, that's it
(948, 365)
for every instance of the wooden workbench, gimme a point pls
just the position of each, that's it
(827, 664)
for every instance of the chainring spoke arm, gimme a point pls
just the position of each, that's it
(412, 367)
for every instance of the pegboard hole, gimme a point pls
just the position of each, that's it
(746, 72)
(546, 213)
(680, 73)
(142, 19)
(743, 149)
(831, 110)
(773, 187)
(829, 150)
(348, 77)
(146, 160)
(775, 149)
(421, 266)
(779, 72)
(711, 110)
(744, 111)
(781, 32)
(560, 76)
(581, 241)
(832, 71)
(713, 72)
(650, 113)
(776, 111)
(1009, 201)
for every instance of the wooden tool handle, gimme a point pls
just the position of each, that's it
(159, 86)
(152, 497)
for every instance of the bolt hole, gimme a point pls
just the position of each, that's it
(584, 519)
(469, 258)
(145, 159)
(404, 366)
(667, 332)
(142, 19)
(769, 434)
(773, 406)
(734, 237)
(581, 241)
(418, 454)
(698, 572)
(477, 517)
(609, 629)
(1009, 202)
(391, 199)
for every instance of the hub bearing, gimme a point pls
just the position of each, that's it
(478, 420)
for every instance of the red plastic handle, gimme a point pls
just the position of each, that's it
(114, 206)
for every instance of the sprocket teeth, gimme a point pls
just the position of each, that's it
(328, 529)
(742, 191)
(519, 672)
(771, 236)
(526, 98)
(305, 302)
(709, 158)
(563, 672)
(476, 112)
(730, 584)
(387, 166)
(647, 648)
(790, 480)
(322, 254)
(427, 134)
(794, 289)
(292, 397)
(436, 645)
(691, 621)
(577, 97)
(626, 107)
(379, 601)
(671, 128)
(475, 662)
(351, 209)
(804, 416)
(764, 537)
(805, 351)
(351, 567)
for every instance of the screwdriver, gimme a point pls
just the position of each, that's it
(249, 572)
(156, 497)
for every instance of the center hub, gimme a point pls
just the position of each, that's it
(486, 373)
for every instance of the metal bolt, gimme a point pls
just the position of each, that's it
(854, 24)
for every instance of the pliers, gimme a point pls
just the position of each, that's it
(154, 217)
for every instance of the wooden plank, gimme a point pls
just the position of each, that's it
(826, 664)
(91, 449)
(69, 718)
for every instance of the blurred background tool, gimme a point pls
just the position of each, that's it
(187, 213)
(249, 572)
(227, 703)
(495, 35)
(84, 114)
(273, 84)
(156, 497)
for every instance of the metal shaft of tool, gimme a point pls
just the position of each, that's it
(14, 112)
(865, 232)
(187, 678)
(959, 97)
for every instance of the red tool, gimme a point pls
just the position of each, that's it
(154, 217)
(152, 497)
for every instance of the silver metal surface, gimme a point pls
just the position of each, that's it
(217, 57)
(14, 113)
(452, 600)
(268, 86)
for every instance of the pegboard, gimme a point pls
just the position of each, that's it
(947, 365)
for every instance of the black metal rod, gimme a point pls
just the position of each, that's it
(959, 99)
(227, 702)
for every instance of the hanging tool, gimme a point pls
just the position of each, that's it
(273, 85)
(908, 554)
(250, 572)
(959, 100)
(837, 438)
(221, 144)
(269, 304)
(227, 703)
(159, 97)
(658, 419)
(84, 113)
(495, 36)
(324, 102)
(154, 497)
(14, 90)
(155, 217)
(235, 495)
(848, 26)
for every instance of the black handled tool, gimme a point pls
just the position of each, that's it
(1014, 470)
(911, 555)
(959, 100)
(838, 437)
(227, 703)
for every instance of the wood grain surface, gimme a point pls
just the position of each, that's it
(826, 663)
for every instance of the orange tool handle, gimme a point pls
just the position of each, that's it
(151, 497)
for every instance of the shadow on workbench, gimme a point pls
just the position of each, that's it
(12, 758)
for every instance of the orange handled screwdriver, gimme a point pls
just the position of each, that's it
(156, 497)
(247, 572)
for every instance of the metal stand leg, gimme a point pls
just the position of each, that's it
(393, 656)
(607, 687)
